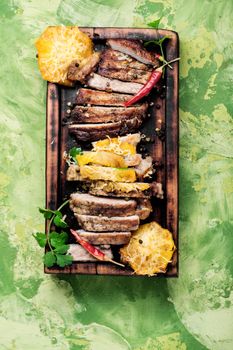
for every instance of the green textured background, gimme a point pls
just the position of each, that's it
(39, 312)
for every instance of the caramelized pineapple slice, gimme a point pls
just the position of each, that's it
(149, 250)
(95, 172)
(101, 158)
(57, 47)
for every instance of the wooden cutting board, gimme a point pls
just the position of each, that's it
(162, 126)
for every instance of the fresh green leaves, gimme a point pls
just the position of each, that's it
(55, 241)
(52, 258)
(59, 222)
(55, 216)
(155, 23)
(58, 239)
(63, 260)
(70, 157)
(75, 151)
(62, 249)
(49, 259)
(46, 212)
(40, 238)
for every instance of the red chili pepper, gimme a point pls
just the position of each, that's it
(144, 91)
(98, 254)
(153, 80)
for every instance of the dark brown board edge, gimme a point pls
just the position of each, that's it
(52, 148)
(52, 155)
(172, 148)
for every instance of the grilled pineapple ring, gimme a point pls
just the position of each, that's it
(150, 249)
(57, 47)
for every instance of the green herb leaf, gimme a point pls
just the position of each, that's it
(58, 213)
(58, 239)
(62, 249)
(49, 259)
(155, 24)
(40, 238)
(63, 260)
(46, 212)
(59, 222)
(73, 152)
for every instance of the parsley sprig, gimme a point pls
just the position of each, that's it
(56, 241)
(70, 157)
(159, 42)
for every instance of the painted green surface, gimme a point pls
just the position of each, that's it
(99, 313)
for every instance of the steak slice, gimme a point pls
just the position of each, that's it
(99, 114)
(94, 132)
(105, 224)
(83, 203)
(144, 208)
(80, 254)
(98, 238)
(135, 49)
(80, 72)
(100, 98)
(101, 83)
(126, 74)
(118, 60)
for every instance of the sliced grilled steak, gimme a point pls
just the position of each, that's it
(135, 49)
(117, 60)
(120, 189)
(101, 83)
(99, 114)
(80, 72)
(93, 132)
(144, 208)
(80, 254)
(126, 74)
(100, 98)
(83, 203)
(105, 224)
(115, 238)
